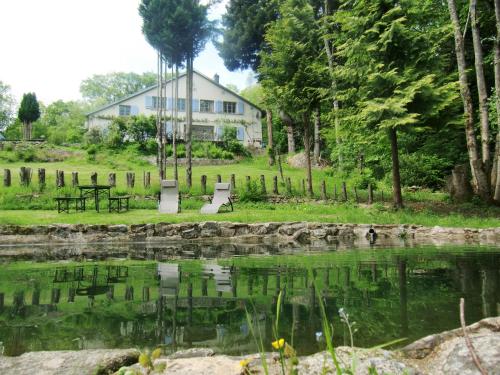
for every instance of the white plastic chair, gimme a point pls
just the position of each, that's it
(169, 197)
(222, 197)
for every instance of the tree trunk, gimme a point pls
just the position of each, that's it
(331, 64)
(479, 177)
(396, 178)
(270, 143)
(159, 115)
(176, 124)
(289, 130)
(317, 123)
(307, 150)
(497, 89)
(481, 89)
(189, 121)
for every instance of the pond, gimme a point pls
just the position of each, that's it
(69, 298)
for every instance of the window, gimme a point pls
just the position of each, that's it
(181, 105)
(229, 107)
(207, 106)
(124, 110)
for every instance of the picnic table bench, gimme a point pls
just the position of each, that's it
(118, 203)
(63, 204)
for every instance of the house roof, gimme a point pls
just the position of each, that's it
(170, 80)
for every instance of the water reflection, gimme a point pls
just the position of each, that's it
(181, 303)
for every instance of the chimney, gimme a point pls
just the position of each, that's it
(216, 78)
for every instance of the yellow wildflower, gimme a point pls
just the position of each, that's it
(244, 363)
(278, 344)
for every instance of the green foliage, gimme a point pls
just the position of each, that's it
(423, 170)
(107, 88)
(6, 106)
(94, 136)
(62, 123)
(178, 29)
(29, 109)
(252, 193)
(245, 23)
(231, 144)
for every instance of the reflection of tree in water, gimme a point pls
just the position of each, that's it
(195, 304)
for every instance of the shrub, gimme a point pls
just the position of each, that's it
(252, 193)
(92, 152)
(27, 154)
(93, 136)
(423, 170)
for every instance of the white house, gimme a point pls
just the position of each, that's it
(214, 107)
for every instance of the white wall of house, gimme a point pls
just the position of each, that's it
(247, 117)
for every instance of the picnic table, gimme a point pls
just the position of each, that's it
(63, 204)
(95, 191)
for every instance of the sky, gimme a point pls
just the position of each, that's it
(50, 46)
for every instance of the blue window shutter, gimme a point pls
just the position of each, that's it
(240, 135)
(134, 110)
(169, 104)
(218, 132)
(241, 108)
(149, 102)
(218, 106)
(196, 105)
(170, 129)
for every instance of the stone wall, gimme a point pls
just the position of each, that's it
(297, 233)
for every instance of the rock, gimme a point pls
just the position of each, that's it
(447, 353)
(192, 353)
(384, 362)
(68, 362)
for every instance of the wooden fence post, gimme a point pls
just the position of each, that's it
(382, 194)
(7, 179)
(288, 185)
(344, 191)
(60, 179)
(233, 181)
(145, 294)
(204, 185)
(130, 179)
(356, 194)
(41, 177)
(112, 179)
(74, 179)
(110, 294)
(35, 297)
(303, 187)
(25, 176)
(248, 182)
(263, 184)
(71, 294)
(93, 178)
(55, 296)
(323, 190)
(335, 194)
(146, 176)
(219, 178)
(275, 185)
(370, 194)
(2, 301)
(129, 293)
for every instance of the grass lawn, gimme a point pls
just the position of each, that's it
(252, 213)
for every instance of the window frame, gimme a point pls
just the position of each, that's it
(127, 110)
(211, 105)
(225, 107)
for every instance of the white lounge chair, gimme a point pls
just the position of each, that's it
(169, 197)
(222, 197)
